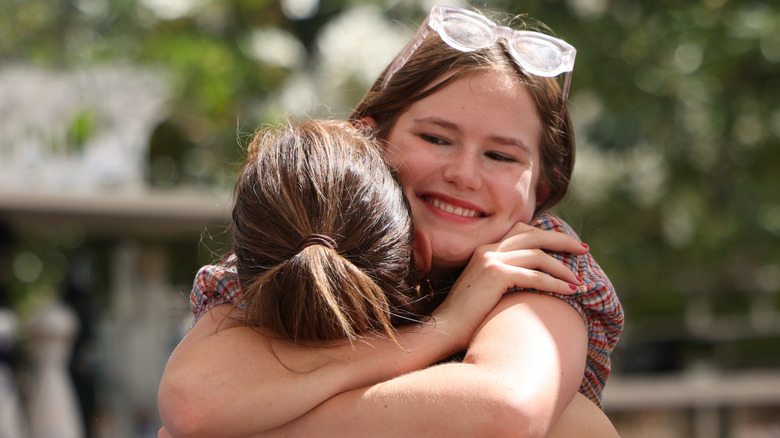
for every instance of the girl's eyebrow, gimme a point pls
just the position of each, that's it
(508, 141)
(511, 141)
(439, 122)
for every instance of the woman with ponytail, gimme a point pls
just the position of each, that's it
(326, 258)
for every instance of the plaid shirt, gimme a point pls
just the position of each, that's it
(214, 285)
(596, 302)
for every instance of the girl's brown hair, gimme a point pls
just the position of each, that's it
(435, 64)
(328, 178)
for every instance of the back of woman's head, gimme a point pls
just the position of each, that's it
(322, 178)
(435, 64)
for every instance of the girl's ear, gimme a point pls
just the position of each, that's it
(542, 192)
(366, 122)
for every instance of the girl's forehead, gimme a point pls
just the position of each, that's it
(493, 92)
(497, 79)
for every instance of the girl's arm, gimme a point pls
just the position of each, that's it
(522, 370)
(228, 380)
(581, 418)
(231, 373)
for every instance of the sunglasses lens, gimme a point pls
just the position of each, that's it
(539, 57)
(465, 34)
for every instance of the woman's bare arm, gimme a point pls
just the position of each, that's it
(582, 418)
(500, 390)
(228, 370)
(254, 383)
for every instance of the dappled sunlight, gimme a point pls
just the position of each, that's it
(299, 9)
(275, 46)
(355, 46)
(171, 9)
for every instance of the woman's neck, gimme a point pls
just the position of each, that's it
(443, 279)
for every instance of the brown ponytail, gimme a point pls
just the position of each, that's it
(322, 178)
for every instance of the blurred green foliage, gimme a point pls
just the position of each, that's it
(676, 106)
(80, 129)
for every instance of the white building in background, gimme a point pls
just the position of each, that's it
(73, 152)
(84, 130)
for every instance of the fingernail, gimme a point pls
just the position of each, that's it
(572, 287)
(585, 245)
(579, 279)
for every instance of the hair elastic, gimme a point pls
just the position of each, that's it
(317, 239)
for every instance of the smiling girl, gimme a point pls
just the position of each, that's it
(477, 130)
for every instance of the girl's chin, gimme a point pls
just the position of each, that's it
(449, 252)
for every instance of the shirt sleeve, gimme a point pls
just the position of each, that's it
(598, 304)
(214, 285)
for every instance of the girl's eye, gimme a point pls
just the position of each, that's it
(499, 157)
(434, 139)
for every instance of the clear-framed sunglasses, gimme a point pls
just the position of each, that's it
(536, 53)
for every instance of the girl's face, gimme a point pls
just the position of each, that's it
(468, 160)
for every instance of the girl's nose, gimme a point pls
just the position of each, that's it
(463, 171)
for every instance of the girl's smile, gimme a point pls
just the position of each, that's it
(452, 206)
(468, 160)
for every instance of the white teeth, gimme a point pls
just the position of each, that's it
(449, 208)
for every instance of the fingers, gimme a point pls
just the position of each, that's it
(534, 269)
(524, 236)
(519, 260)
(530, 279)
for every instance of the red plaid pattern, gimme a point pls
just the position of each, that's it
(214, 285)
(597, 303)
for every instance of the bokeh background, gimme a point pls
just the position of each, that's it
(122, 123)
